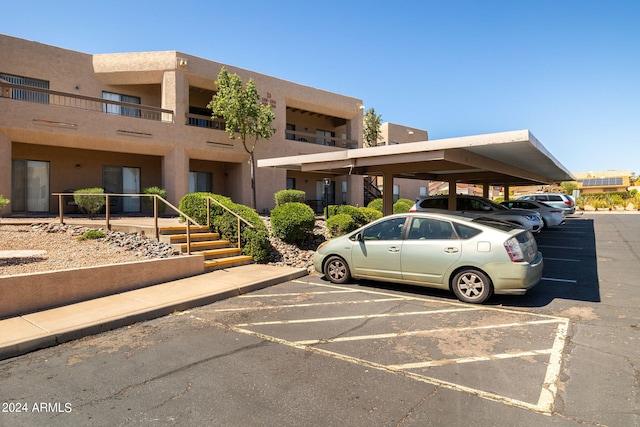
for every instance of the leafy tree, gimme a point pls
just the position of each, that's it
(371, 130)
(245, 117)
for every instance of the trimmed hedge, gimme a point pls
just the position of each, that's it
(293, 222)
(90, 205)
(255, 241)
(358, 218)
(3, 202)
(148, 201)
(289, 196)
(400, 206)
(340, 224)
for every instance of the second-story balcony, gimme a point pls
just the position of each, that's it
(323, 138)
(45, 96)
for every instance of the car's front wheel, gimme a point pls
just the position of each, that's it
(472, 286)
(337, 270)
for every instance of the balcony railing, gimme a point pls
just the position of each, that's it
(313, 138)
(205, 122)
(63, 99)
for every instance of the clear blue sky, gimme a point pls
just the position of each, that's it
(567, 70)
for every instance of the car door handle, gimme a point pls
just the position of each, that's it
(451, 250)
(394, 249)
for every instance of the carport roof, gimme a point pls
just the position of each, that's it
(505, 158)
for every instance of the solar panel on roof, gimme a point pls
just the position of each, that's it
(601, 182)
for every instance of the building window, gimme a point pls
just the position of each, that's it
(423, 191)
(290, 133)
(122, 110)
(324, 137)
(291, 183)
(27, 95)
(344, 192)
(200, 182)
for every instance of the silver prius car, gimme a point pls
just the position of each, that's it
(474, 257)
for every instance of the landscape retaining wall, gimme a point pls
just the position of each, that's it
(26, 293)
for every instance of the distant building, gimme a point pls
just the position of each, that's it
(604, 181)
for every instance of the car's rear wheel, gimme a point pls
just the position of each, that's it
(337, 270)
(472, 286)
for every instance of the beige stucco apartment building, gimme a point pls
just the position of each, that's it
(127, 121)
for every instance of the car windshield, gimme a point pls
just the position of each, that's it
(496, 205)
(500, 225)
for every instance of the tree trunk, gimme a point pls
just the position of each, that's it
(253, 179)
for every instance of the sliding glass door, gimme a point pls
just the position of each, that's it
(30, 186)
(122, 180)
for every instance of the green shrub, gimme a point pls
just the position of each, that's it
(89, 204)
(3, 202)
(370, 214)
(289, 196)
(376, 204)
(401, 206)
(340, 224)
(92, 235)
(358, 216)
(148, 201)
(254, 241)
(332, 209)
(293, 222)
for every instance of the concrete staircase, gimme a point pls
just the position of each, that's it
(218, 253)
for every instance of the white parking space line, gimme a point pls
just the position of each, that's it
(548, 392)
(422, 332)
(358, 317)
(296, 294)
(561, 259)
(460, 360)
(551, 279)
(311, 304)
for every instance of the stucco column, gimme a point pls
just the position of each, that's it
(506, 191)
(5, 170)
(387, 193)
(355, 192)
(175, 94)
(175, 174)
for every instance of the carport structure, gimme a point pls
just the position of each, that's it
(514, 158)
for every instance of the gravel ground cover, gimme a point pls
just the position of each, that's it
(65, 251)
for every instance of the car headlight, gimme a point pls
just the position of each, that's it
(322, 244)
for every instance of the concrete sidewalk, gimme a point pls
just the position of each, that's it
(22, 334)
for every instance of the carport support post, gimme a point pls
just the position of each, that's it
(506, 191)
(387, 193)
(453, 190)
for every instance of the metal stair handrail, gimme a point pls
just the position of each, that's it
(210, 199)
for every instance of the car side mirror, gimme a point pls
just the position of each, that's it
(359, 237)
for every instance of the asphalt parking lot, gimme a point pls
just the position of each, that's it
(307, 352)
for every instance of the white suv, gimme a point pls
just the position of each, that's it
(557, 200)
(529, 220)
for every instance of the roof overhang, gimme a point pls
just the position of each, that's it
(506, 158)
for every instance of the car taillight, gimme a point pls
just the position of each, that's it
(413, 210)
(514, 250)
(568, 203)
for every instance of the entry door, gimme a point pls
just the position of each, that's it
(30, 186)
